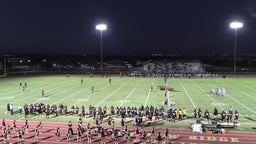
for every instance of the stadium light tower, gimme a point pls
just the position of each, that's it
(235, 25)
(101, 27)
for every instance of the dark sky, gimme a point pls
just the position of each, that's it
(135, 27)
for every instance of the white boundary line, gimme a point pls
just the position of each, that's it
(241, 104)
(112, 93)
(242, 92)
(130, 93)
(208, 96)
(149, 91)
(187, 94)
(90, 95)
(238, 102)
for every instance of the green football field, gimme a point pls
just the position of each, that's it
(126, 91)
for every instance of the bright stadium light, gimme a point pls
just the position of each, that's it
(101, 27)
(235, 25)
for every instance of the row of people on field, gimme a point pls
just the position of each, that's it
(223, 116)
(149, 113)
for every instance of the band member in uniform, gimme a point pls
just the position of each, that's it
(22, 133)
(69, 135)
(166, 135)
(153, 134)
(4, 134)
(3, 123)
(102, 136)
(70, 127)
(89, 136)
(116, 136)
(58, 133)
(36, 134)
(39, 127)
(137, 132)
(8, 131)
(19, 136)
(14, 124)
(144, 136)
(26, 126)
(159, 138)
(79, 134)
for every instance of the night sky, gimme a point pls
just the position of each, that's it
(135, 27)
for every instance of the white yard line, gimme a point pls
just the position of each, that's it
(47, 91)
(246, 85)
(130, 93)
(209, 96)
(168, 93)
(19, 89)
(242, 92)
(187, 94)
(241, 104)
(90, 95)
(149, 91)
(27, 95)
(76, 93)
(112, 93)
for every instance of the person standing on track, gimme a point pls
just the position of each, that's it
(3, 123)
(36, 134)
(58, 133)
(19, 136)
(79, 134)
(89, 136)
(102, 136)
(166, 135)
(153, 134)
(69, 135)
(144, 137)
(14, 125)
(128, 137)
(39, 127)
(159, 138)
(8, 131)
(26, 126)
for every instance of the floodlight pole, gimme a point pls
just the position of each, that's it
(101, 27)
(235, 52)
(101, 57)
(235, 25)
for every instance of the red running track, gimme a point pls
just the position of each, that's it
(176, 136)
